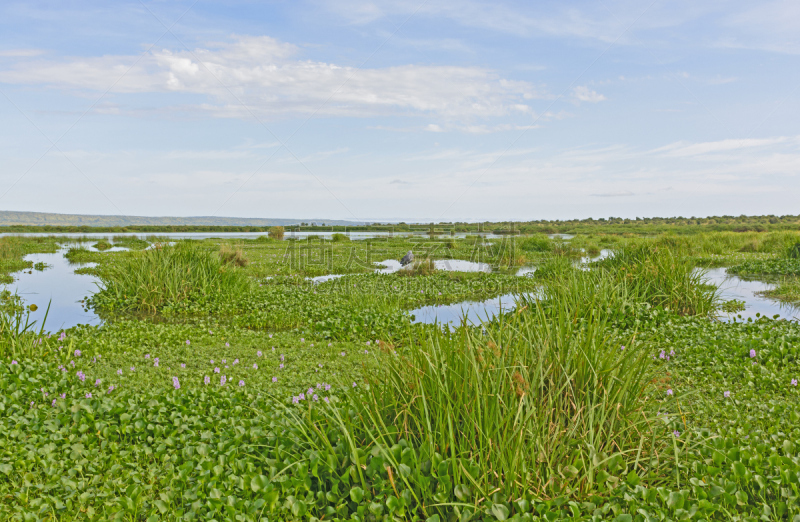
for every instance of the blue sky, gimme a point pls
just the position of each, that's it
(400, 110)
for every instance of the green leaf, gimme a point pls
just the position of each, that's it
(499, 511)
(633, 479)
(356, 494)
(259, 483)
(624, 517)
(462, 492)
(162, 506)
(299, 508)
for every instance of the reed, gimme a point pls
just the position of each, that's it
(146, 281)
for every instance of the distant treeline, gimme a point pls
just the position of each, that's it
(612, 225)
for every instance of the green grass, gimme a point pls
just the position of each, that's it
(537, 415)
(147, 281)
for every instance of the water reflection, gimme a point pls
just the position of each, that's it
(732, 287)
(59, 285)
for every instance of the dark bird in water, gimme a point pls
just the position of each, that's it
(408, 258)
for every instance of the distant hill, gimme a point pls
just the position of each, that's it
(11, 218)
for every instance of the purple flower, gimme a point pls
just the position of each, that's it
(621, 347)
(236, 361)
(367, 343)
(77, 353)
(312, 345)
(81, 376)
(224, 361)
(302, 396)
(223, 380)
(366, 352)
(206, 379)
(315, 397)
(281, 366)
(794, 382)
(147, 356)
(54, 402)
(14, 362)
(354, 385)
(281, 357)
(295, 400)
(212, 361)
(752, 353)
(155, 364)
(310, 391)
(97, 382)
(327, 387)
(672, 352)
(119, 372)
(111, 388)
(301, 339)
(188, 342)
(72, 363)
(274, 379)
(89, 395)
(133, 369)
(63, 395)
(255, 367)
(183, 365)
(241, 383)
(216, 370)
(676, 433)
(726, 394)
(669, 391)
(270, 336)
(343, 354)
(258, 353)
(326, 399)
(662, 355)
(176, 383)
(62, 336)
(330, 344)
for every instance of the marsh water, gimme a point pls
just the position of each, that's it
(59, 285)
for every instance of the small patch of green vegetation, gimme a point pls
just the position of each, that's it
(102, 245)
(130, 242)
(787, 290)
(778, 266)
(339, 237)
(732, 306)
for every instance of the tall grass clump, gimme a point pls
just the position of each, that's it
(540, 402)
(420, 267)
(148, 280)
(231, 255)
(657, 276)
(18, 334)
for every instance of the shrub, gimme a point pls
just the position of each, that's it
(339, 237)
(276, 232)
(793, 252)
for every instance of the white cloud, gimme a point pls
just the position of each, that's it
(20, 53)
(584, 94)
(709, 147)
(262, 73)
